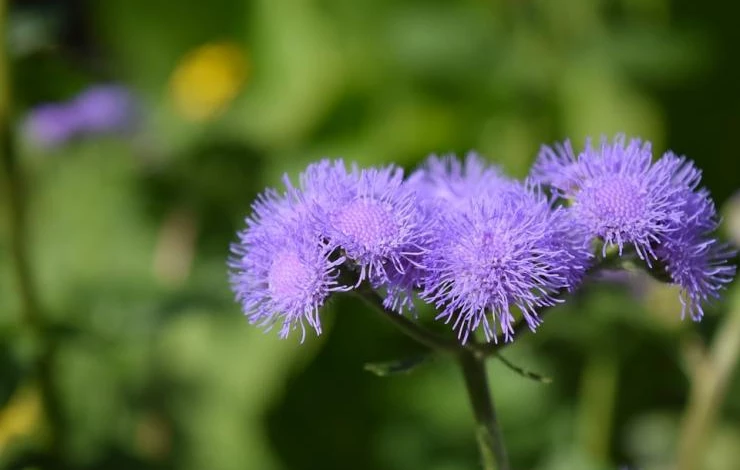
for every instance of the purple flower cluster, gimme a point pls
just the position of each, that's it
(101, 109)
(496, 243)
(623, 198)
(485, 250)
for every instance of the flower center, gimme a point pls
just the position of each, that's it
(484, 261)
(288, 276)
(493, 247)
(613, 202)
(367, 223)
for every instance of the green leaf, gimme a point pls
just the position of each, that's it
(523, 372)
(396, 367)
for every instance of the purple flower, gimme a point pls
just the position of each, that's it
(554, 167)
(690, 254)
(101, 109)
(512, 250)
(370, 215)
(104, 109)
(624, 198)
(446, 183)
(699, 265)
(50, 125)
(281, 271)
(617, 192)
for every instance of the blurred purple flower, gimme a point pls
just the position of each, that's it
(104, 109)
(50, 125)
(101, 109)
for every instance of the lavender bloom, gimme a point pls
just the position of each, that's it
(513, 250)
(50, 125)
(368, 214)
(700, 266)
(622, 197)
(104, 109)
(616, 191)
(400, 286)
(281, 271)
(554, 167)
(693, 259)
(448, 183)
(473, 242)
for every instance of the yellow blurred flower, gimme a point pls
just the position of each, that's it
(21, 415)
(207, 79)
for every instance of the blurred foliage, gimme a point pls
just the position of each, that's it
(156, 367)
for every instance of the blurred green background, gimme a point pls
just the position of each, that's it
(154, 365)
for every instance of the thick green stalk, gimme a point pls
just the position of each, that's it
(490, 439)
(471, 357)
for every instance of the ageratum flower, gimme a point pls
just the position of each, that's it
(616, 191)
(370, 215)
(281, 271)
(699, 266)
(554, 167)
(497, 253)
(447, 184)
(621, 196)
(689, 253)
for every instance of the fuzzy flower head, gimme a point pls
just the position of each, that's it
(617, 192)
(554, 167)
(620, 195)
(281, 272)
(700, 266)
(446, 183)
(514, 250)
(690, 254)
(370, 215)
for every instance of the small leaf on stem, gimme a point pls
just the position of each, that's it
(396, 367)
(524, 372)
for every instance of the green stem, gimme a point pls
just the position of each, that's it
(428, 338)
(414, 331)
(18, 238)
(471, 357)
(488, 432)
